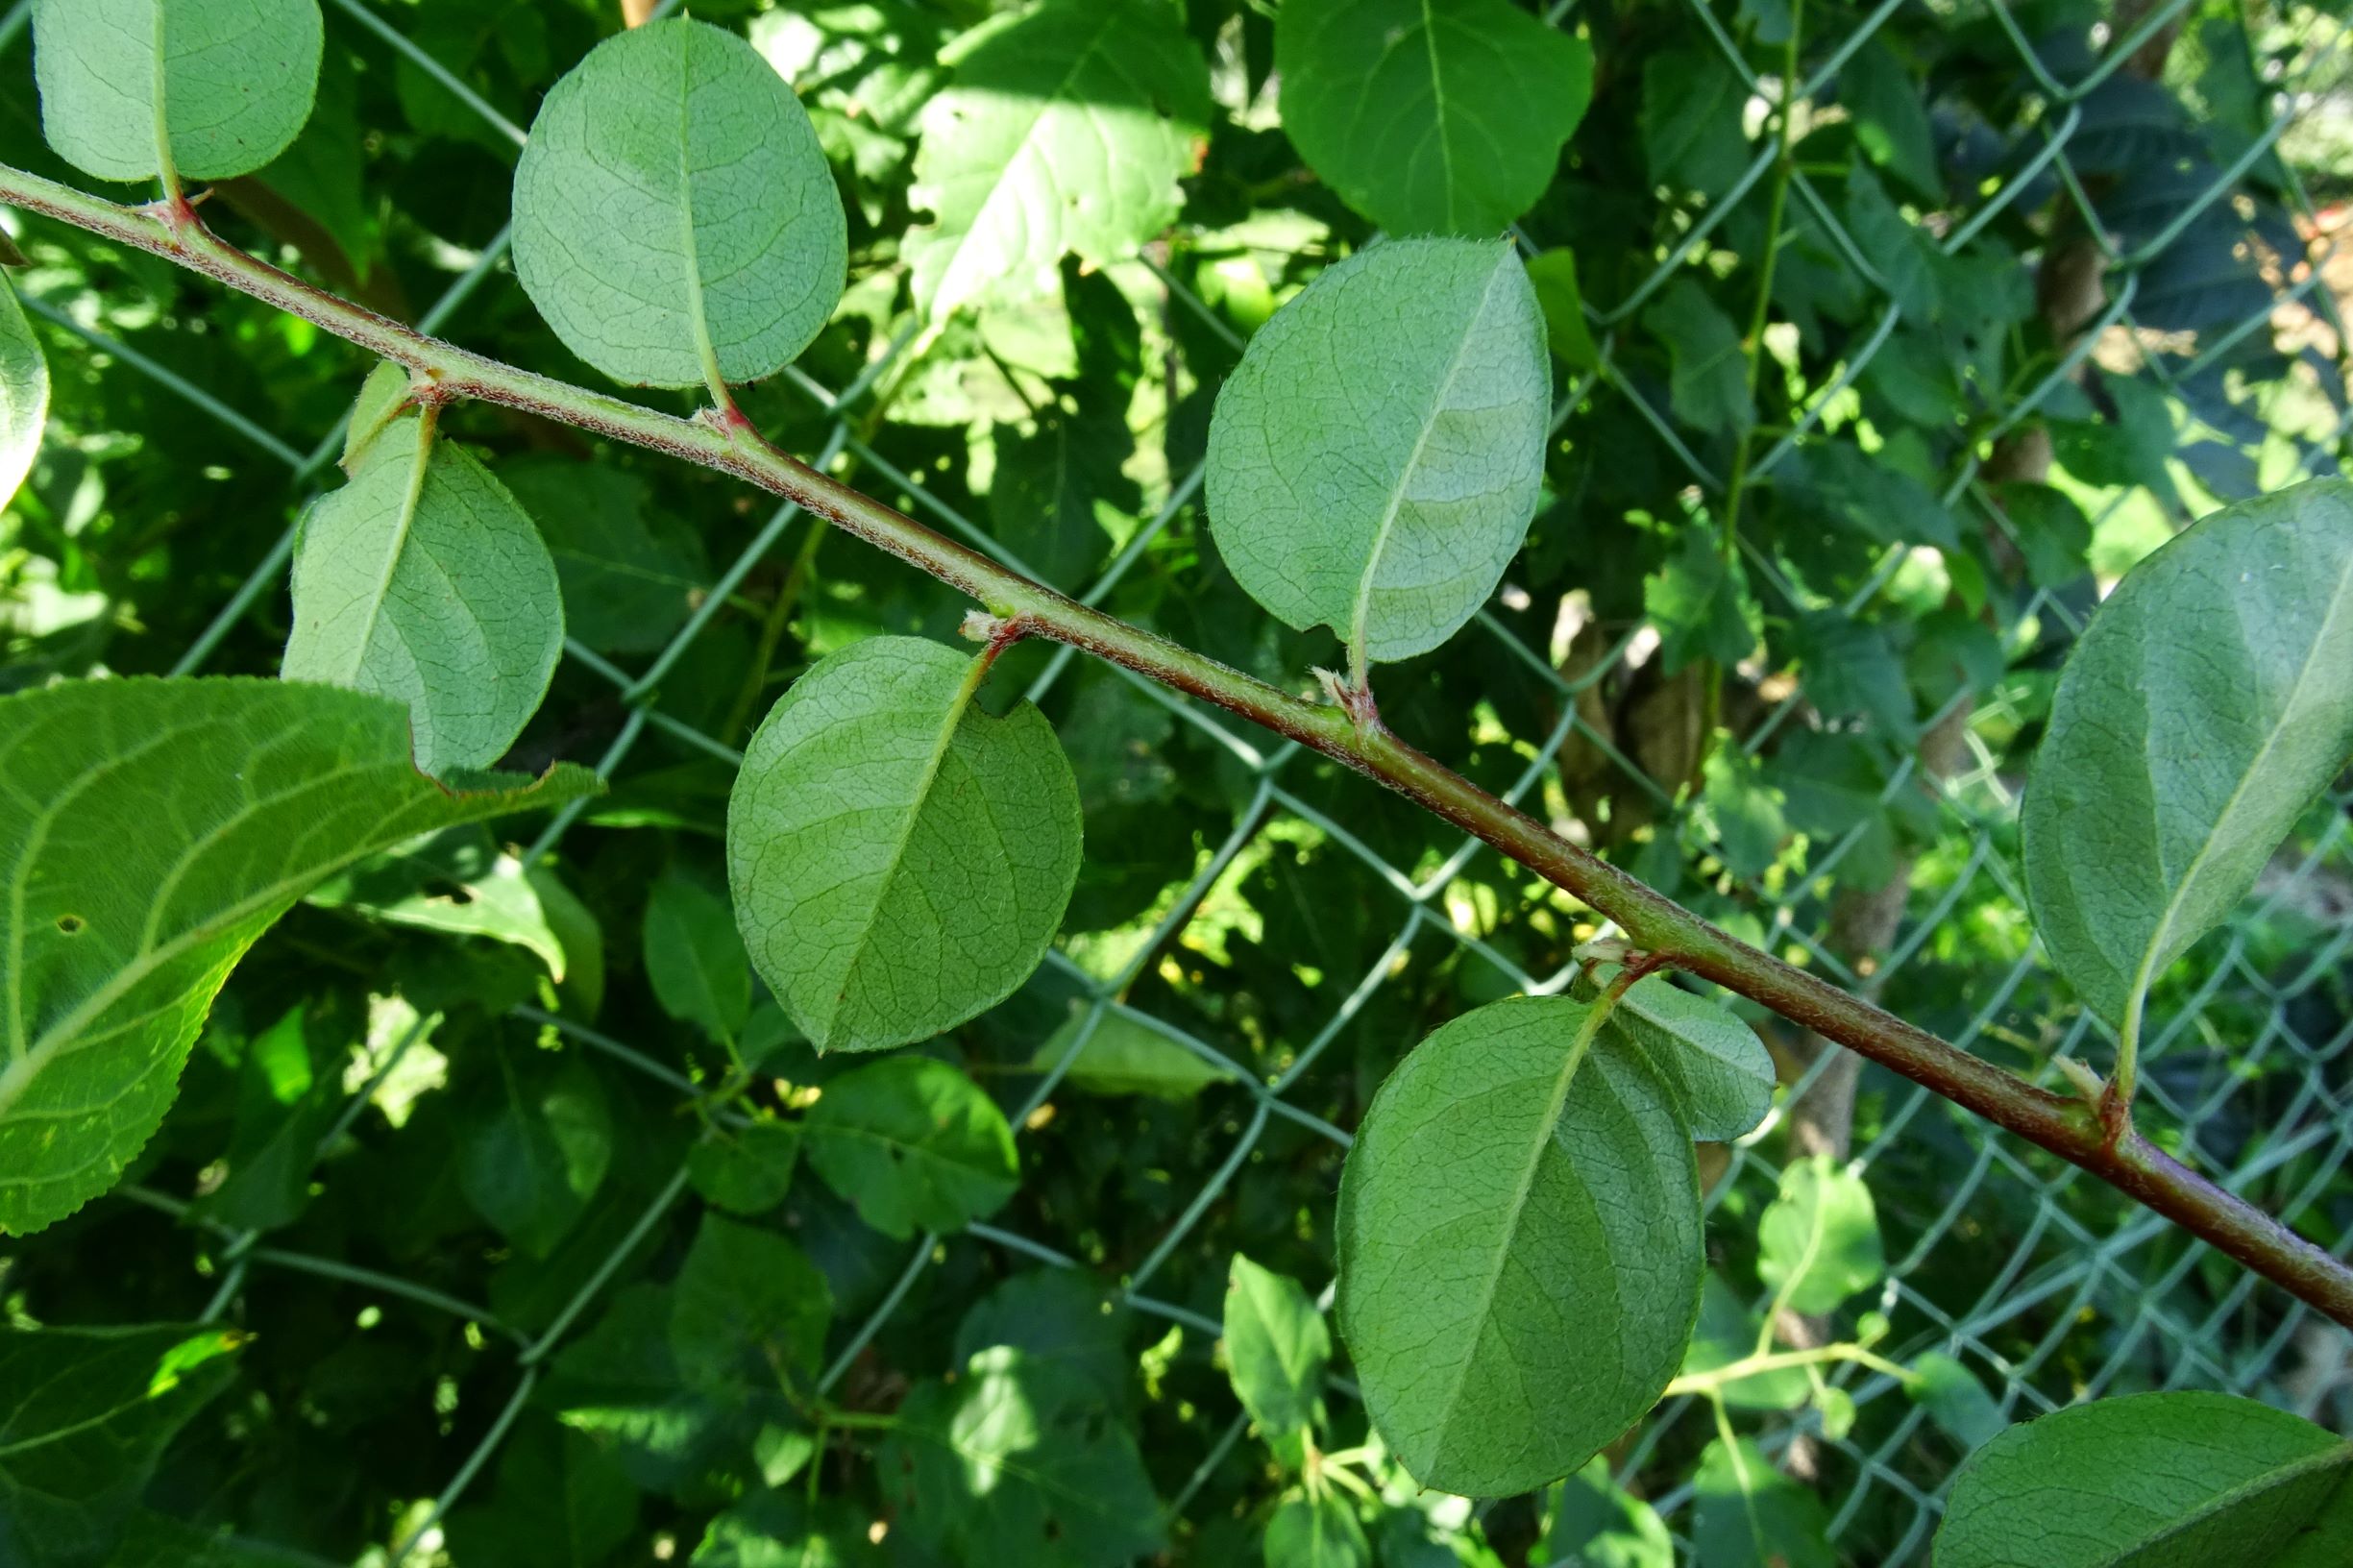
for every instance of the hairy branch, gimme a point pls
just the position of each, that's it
(2064, 1125)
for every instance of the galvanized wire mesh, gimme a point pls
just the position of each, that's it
(2071, 1291)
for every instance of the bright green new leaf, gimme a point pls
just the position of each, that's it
(2154, 1481)
(24, 392)
(457, 881)
(2209, 702)
(534, 1152)
(914, 1145)
(1015, 1462)
(1276, 1347)
(746, 1170)
(1319, 1532)
(695, 959)
(1720, 1071)
(1818, 1242)
(1598, 1524)
(1125, 1055)
(1507, 1211)
(1375, 461)
(154, 830)
(900, 858)
(1750, 1515)
(84, 1415)
(674, 218)
(421, 579)
(746, 1309)
(1430, 116)
(1553, 275)
(1065, 129)
(1727, 1333)
(631, 575)
(227, 83)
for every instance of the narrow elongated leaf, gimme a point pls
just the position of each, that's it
(1817, 1241)
(2209, 701)
(1065, 129)
(1430, 116)
(2154, 1481)
(1374, 463)
(1519, 1248)
(674, 219)
(84, 1413)
(227, 82)
(2205, 708)
(695, 960)
(1124, 1055)
(1720, 1071)
(24, 392)
(900, 858)
(428, 583)
(154, 830)
(1015, 1462)
(1276, 1347)
(914, 1145)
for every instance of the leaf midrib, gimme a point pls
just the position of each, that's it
(889, 879)
(1359, 627)
(411, 499)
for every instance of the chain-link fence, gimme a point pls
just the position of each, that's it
(2044, 1284)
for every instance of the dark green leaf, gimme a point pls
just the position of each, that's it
(695, 960)
(914, 1144)
(536, 1150)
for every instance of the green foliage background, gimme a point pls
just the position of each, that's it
(544, 1294)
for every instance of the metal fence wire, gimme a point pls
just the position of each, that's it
(2066, 1291)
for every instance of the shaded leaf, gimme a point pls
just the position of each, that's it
(534, 1153)
(629, 580)
(1598, 1524)
(456, 881)
(1553, 275)
(157, 827)
(1319, 1532)
(1750, 1515)
(695, 960)
(746, 1170)
(748, 1311)
(24, 392)
(1124, 1055)
(1276, 1348)
(1709, 383)
(914, 1144)
(1692, 101)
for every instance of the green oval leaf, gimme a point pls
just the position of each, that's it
(1276, 1348)
(900, 860)
(1375, 461)
(674, 219)
(1818, 1242)
(746, 1170)
(1720, 1071)
(1430, 116)
(914, 1145)
(228, 83)
(421, 579)
(1065, 129)
(631, 574)
(24, 392)
(2209, 702)
(156, 829)
(535, 1148)
(1319, 1532)
(748, 1309)
(2154, 1481)
(1519, 1246)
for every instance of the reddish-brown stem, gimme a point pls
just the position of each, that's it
(1656, 927)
